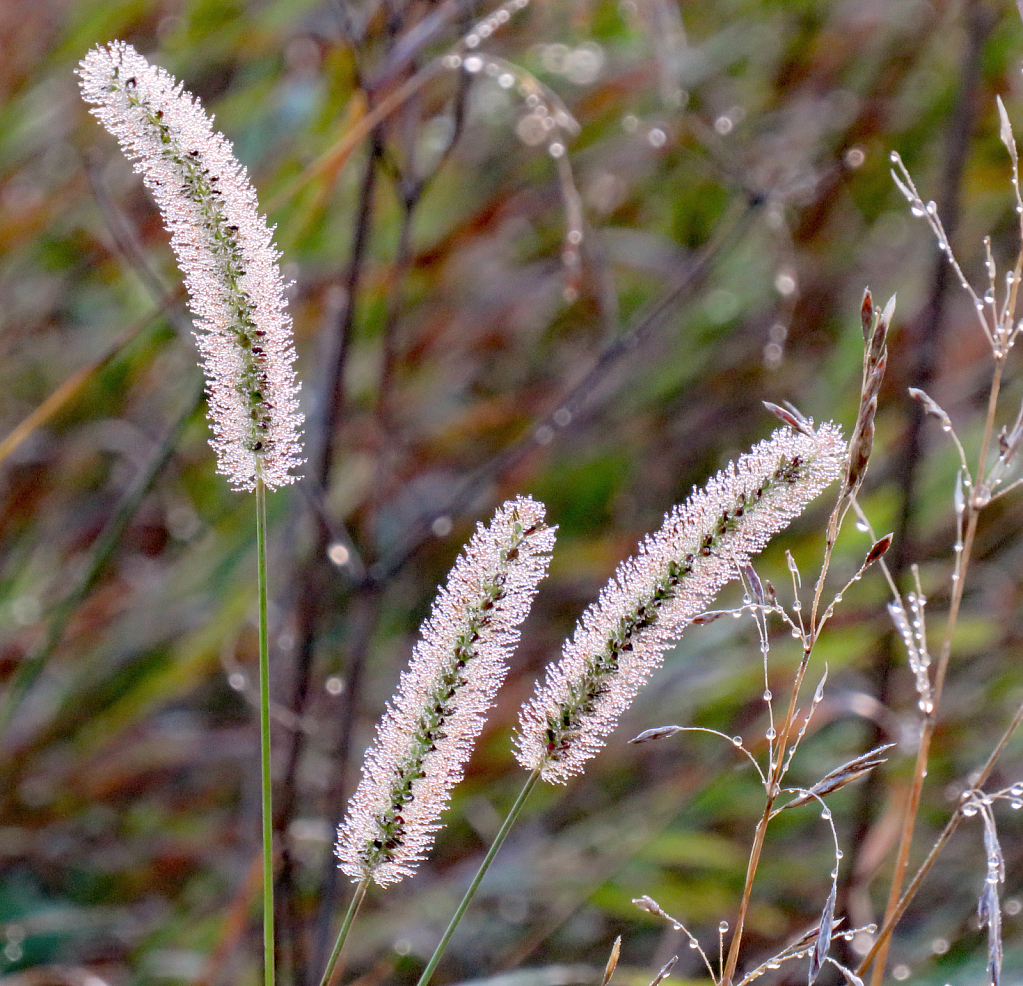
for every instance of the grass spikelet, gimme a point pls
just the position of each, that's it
(428, 732)
(226, 254)
(654, 595)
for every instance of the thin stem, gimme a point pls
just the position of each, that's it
(834, 526)
(920, 770)
(751, 871)
(776, 769)
(502, 834)
(264, 739)
(953, 823)
(311, 607)
(773, 785)
(346, 925)
(333, 159)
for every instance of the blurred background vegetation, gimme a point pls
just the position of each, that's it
(588, 309)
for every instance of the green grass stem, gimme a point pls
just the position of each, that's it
(513, 814)
(264, 740)
(353, 909)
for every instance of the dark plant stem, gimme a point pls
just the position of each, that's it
(580, 399)
(363, 613)
(316, 572)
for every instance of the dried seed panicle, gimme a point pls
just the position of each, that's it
(838, 778)
(875, 360)
(654, 595)
(226, 253)
(427, 734)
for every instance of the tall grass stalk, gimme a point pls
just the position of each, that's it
(231, 271)
(875, 331)
(266, 779)
(502, 834)
(346, 926)
(998, 324)
(879, 951)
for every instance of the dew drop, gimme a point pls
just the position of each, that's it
(767, 695)
(473, 63)
(737, 740)
(556, 149)
(825, 813)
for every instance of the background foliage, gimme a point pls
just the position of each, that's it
(728, 188)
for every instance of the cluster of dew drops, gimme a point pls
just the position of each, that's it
(544, 124)
(1013, 794)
